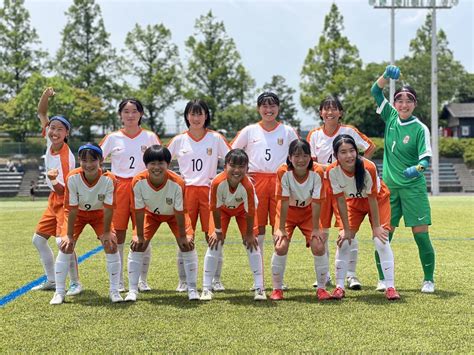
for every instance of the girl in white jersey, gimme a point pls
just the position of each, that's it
(320, 140)
(197, 151)
(266, 144)
(126, 148)
(58, 161)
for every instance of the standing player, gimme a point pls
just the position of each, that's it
(126, 148)
(266, 144)
(233, 195)
(197, 151)
(157, 197)
(407, 153)
(89, 199)
(321, 140)
(359, 191)
(299, 192)
(58, 161)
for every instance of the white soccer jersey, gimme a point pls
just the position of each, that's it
(267, 150)
(63, 160)
(163, 200)
(127, 152)
(321, 142)
(222, 195)
(89, 197)
(300, 193)
(343, 182)
(197, 159)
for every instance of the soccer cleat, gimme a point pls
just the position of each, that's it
(45, 286)
(428, 287)
(315, 284)
(323, 295)
(193, 294)
(75, 288)
(260, 295)
(206, 295)
(338, 293)
(392, 294)
(381, 286)
(254, 289)
(277, 295)
(353, 283)
(217, 286)
(182, 286)
(121, 287)
(143, 286)
(131, 296)
(115, 297)
(58, 298)
(284, 287)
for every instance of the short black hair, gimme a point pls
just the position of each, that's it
(329, 102)
(156, 152)
(296, 146)
(197, 106)
(237, 156)
(406, 89)
(137, 104)
(268, 98)
(94, 153)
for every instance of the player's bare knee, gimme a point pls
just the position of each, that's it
(420, 229)
(318, 248)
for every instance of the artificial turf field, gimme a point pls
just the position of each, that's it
(165, 321)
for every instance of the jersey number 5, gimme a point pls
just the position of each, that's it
(268, 154)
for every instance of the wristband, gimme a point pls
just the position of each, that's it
(54, 182)
(218, 230)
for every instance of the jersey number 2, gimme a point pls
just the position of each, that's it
(131, 163)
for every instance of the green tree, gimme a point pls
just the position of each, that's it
(465, 92)
(155, 62)
(215, 72)
(329, 65)
(79, 106)
(288, 112)
(19, 55)
(234, 117)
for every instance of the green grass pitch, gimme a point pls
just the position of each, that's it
(166, 321)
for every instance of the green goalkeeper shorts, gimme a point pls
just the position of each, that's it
(412, 204)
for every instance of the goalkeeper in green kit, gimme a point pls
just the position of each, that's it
(407, 153)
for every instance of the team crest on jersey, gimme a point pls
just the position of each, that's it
(239, 199)
(144, 147)
(209, 151)
(101, 197)
(169, 201)
(406, 139)
(280, 141)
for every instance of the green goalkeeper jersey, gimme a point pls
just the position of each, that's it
(406, 142)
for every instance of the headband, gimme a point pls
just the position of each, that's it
(91, 147)
(61, 119)
(405, 91)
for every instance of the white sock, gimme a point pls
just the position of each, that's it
(113, 268)
(135, 262)
(278, 270)
(190, 260)
(342, 258)
(261, 241)
(211, 260)
(255, 261)
(354, 251)
(386, 261)
(321, 268)
(73, 265)
(326, 245)
(61, 267)
(120, 248)
(146, 263)
(180, 264)
(220, 262)
(46, 255)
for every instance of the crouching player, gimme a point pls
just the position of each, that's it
(89, 199)
(359, 191)
(299, 192)
(157, 197)
(233, 195)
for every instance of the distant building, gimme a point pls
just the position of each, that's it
(460, 118)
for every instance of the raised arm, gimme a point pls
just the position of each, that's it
(43, 106)
(391, 72)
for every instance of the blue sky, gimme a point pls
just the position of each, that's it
(272, 36)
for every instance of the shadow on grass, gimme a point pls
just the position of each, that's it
(443, 294)
(90, 298)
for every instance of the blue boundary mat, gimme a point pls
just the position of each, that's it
(24, 289)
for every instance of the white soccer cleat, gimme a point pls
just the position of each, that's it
(45, 286)
(121, 287)
(217, 286)
(75, 288)
(381, 286)
(260, 295)
(58, 298)
(254, 289)
(115, 297)
(182, 286)
(428, 287)
(284, 287)
(353, 283)
(131, 296)
(193, 294)
(206, 295)
(143, 286)
(315, 285)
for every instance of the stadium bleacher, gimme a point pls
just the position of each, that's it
(10, 182)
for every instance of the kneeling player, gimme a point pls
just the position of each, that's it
(359, 191)
(233, 195)
(89, 199)
(157, 197)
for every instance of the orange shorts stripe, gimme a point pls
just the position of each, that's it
(265, 187)
(153, 222)
(51, 221)
(298, 217)
(122, 212)
(196, 201)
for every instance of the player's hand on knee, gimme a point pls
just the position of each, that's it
(318, 235)
(380, 233)
(183, 244)
(67, 244)
(344, 235)
(109, 241)
(391, 72)
(251, 242)
(136, 244)
(278, 235)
